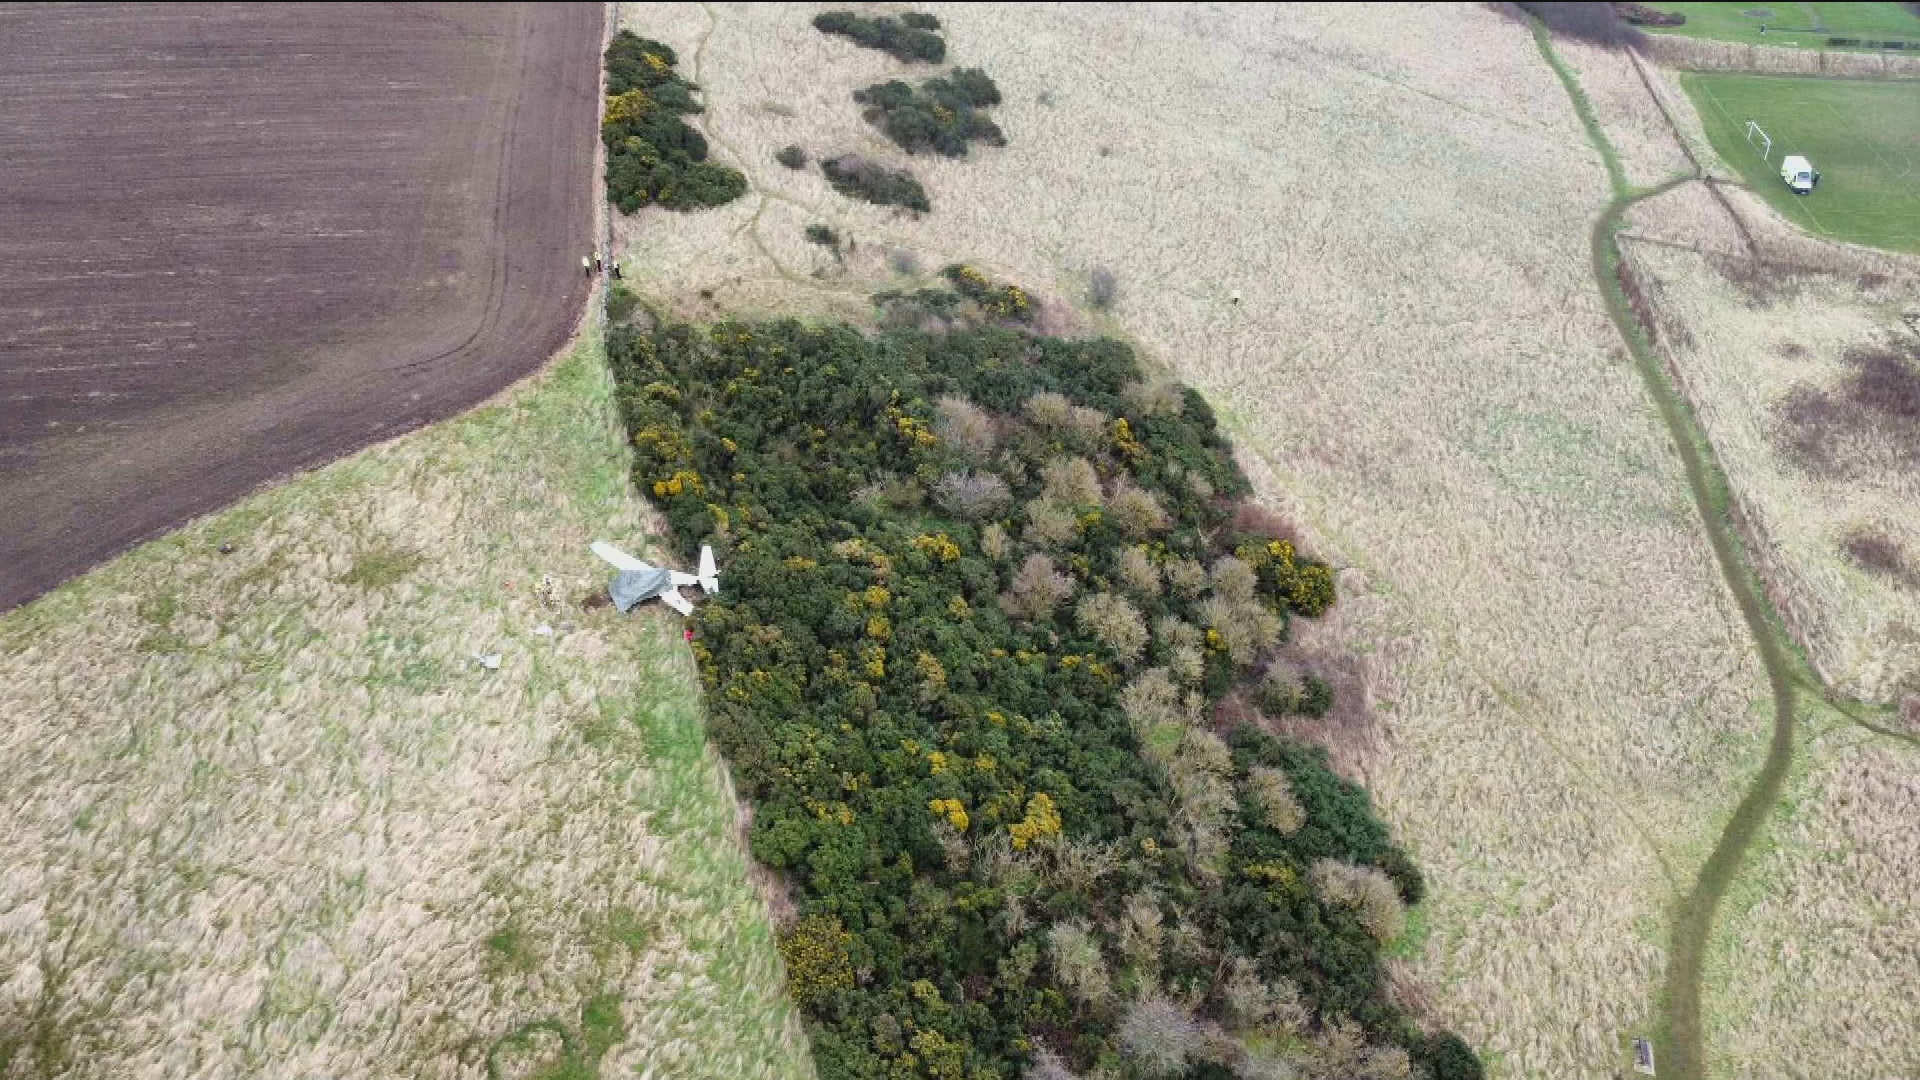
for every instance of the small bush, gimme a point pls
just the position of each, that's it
(1005, 301)
(815, 951)
(1255, 1005)
(1138, 572)
(942, 115)
(1316, 697)
(1448, 1057)
(1278, 693)
(1078, 963)
(903, 262)
(1115, 623)
(965, 427)
(1070, 481)
(1186, 576)
(1073, 426)
(969, 85)
(793, 157)
(1161, 1038)
(1366, 891)
(1036, 590)
(1138, 513)
(972, 496)
(634, 62)
(1050, 525)
(1233, 580)
(621, 303)
(995, 544)
(1273, 796)
(1102, 288)
(824, 235)
(858, 178)
(911, 38)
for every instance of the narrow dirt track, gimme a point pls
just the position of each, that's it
(236, 242)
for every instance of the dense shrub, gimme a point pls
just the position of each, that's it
(993, 298)
(793, 157)
(1011, 841)
(858, 178)
(942, 115)
(653, 156)
(911, 38)
(621, 302)
(1447, 1057)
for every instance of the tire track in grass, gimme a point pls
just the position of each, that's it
(1679, 1037)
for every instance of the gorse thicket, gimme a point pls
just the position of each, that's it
(911, 38)
(982, 591)
(653, 156)
(943, 114)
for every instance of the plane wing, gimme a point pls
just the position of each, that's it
(620, 560)
(709, 575)
(672, 598)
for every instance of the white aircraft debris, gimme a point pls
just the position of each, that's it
(639, 580)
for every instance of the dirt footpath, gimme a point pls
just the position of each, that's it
(240, 241)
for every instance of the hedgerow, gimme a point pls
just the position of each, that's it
(1011, 837)
(911, 38)
(653, 156)
(942, 114)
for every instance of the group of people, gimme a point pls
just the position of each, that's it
(595, 263)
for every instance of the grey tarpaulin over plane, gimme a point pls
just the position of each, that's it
(639, 581)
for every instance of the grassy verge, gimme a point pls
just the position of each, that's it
(270, 816)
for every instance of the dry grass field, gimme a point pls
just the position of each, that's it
(1791, 349)
(266, 815)
(1785, 363)
(1814, 975)
(1363, 232)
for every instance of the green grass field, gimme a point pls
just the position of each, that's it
(1804, 25)
(1863, 137)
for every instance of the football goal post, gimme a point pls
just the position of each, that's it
(1760, 141)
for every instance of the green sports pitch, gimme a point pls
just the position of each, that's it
(1862, 135)
(1806, 26)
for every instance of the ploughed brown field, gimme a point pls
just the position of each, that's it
(238, 241)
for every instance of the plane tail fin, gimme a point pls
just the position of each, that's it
(709, 575)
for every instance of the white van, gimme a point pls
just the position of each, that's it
(1798, 174)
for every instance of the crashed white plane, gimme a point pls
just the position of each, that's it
(639, 580)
